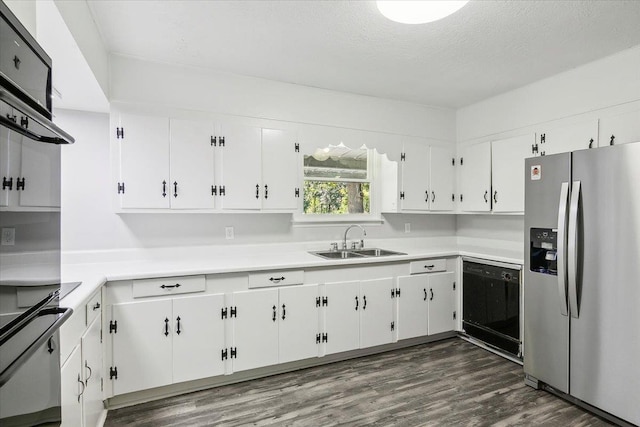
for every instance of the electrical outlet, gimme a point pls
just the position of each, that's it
(228, 233)
(8, 236)
(407, 227)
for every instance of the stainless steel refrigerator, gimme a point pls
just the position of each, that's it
(582, 278)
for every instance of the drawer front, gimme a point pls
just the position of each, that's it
(94, 308)
(168, 286)
(276, 278)
(427, 266)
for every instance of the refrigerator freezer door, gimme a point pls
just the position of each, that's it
(546, 329)
(605, 343)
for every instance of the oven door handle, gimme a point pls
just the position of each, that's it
(35, 345)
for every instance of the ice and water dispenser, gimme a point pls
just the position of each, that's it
(543, 250)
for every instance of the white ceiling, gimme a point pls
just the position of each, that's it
(487, 48)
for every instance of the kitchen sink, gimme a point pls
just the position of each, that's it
(355, 253)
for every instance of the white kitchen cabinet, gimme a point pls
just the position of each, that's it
(143, 143)
(72, 388)
(475, 178)
(376, 312)
(507, 172)
(342, 316)
(191, 157)
(576, 136)
(152, 347)
(441, 303)
(260, 168)
(298, 320)
(415, 194)
(442, 179)
(412, 306)
(255, 329)
(92, 406)
(619, 129)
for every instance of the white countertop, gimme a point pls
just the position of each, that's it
(94, 269)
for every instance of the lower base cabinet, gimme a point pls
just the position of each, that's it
(72, 388)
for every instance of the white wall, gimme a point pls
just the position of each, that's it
(599, 89)
(89, 222)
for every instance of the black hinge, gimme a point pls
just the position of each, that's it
(325, 301)
(403, 157)
(221, 141)
(222, 190)
(297, 147)
(234, 353)
(534, 148)
(20, 184)
(113, 372)
(453, 197)
(223, 314)
(461, 161)
(214, 141)
(454, 314)
(454, 286)
(393, 326)
(393, 293)
(402, 195)
(224, 354)
(398, 292)
(24, 122)
(120, 133)
(234, 312)
(317, 301)
(453, 161)
(113, 326)
(121, 188)
(543, 138)
(214, 190)
(317, 338)
(7, 183)
(325, 337)
(461, 198)
(296, 192)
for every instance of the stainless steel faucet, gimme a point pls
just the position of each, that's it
(364, 233)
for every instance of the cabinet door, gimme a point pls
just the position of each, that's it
(142, 347)
(507, 163)
(255, 329)
(412, 306)
(442, 179)
(376, 314)
(415, 177)
(299, 323)
(475, 178)
(279, 169)
(619, 129)
(40, 169)
(441, 303)
(72, 389)
(191, 154)
(577, 136)
(241, 167)
(92, 371)
(144, 160)
(9, 163)
(342, 316)
(198, 337)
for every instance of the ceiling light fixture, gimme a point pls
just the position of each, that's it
(419, 12)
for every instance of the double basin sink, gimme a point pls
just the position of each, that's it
(355, 253)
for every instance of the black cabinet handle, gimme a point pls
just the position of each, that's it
(50, 345)
(178, 325)
(257, 191)
(364, 300)
(429, 267)
(486, 193)
(356, 303)
(426, 196)
(274, 313)
(86, 365)
(433, 197)
(266, 191)
(425, 294)
(431, 290)
(166, 327)
(96, 306)
(495, 196)
(177, 285)
(284, 312)
(83, 387)
(276, 279)
(175, 188)
(164, 188)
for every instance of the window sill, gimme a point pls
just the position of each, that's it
(317, 220)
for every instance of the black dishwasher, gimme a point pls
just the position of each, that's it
(491, 305)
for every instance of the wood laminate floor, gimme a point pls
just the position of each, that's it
(446, 383)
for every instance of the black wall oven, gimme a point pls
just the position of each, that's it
(491, 305)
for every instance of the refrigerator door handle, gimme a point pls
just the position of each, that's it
(572, 249)
(561, 247)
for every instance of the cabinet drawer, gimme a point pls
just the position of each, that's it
(427, 266)
(168, 286)
(93, 307)
(276, 278)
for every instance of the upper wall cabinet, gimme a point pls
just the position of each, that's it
(475, 178)
(619, 129)
(577, 136)
(507, 172)
(442, 179)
